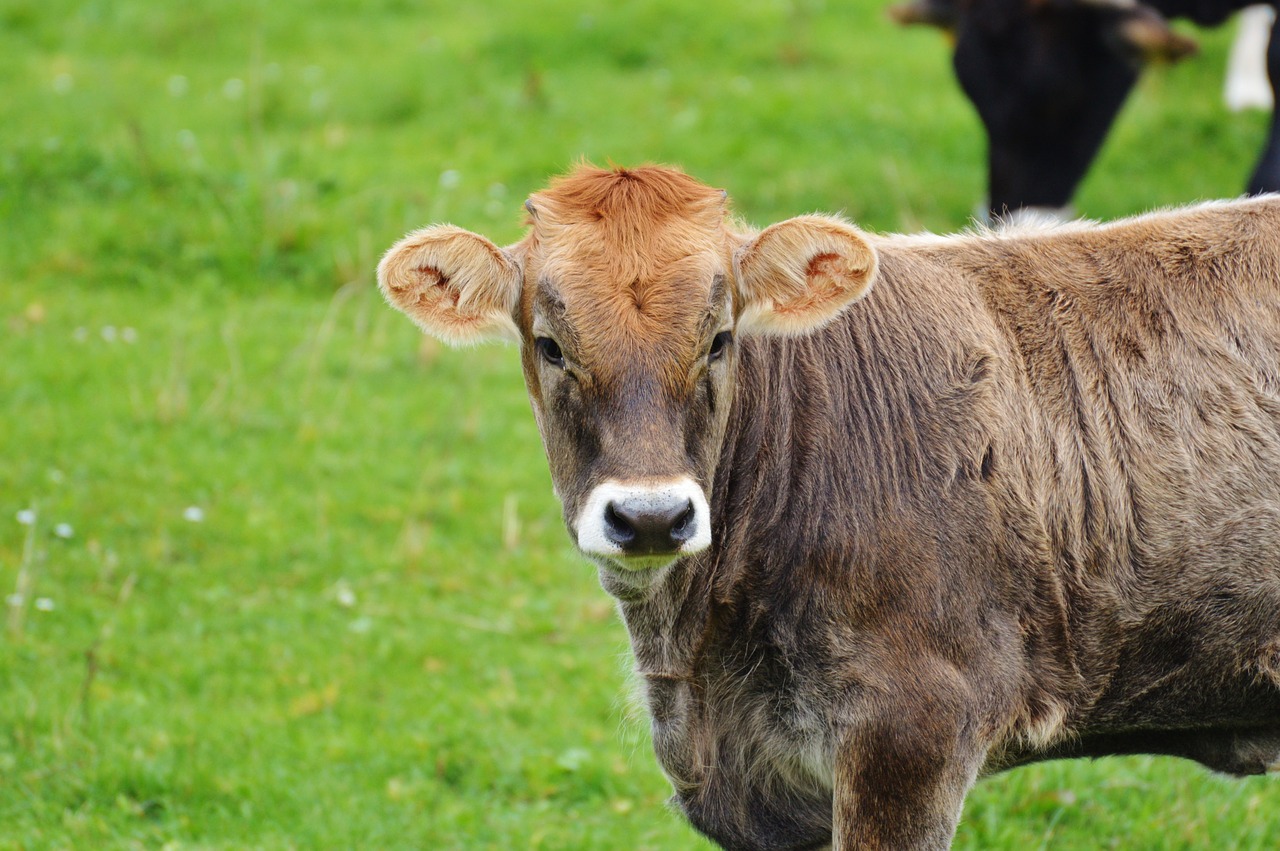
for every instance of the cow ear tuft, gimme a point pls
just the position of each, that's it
(456, 285)
(798, 275)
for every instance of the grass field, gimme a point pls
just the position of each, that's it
(279, 574)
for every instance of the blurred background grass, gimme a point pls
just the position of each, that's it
(278, 573)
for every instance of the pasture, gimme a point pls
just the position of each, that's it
(278, 573)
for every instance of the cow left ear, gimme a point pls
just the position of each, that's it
(798, 275)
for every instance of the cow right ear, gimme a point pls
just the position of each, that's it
(454, 284)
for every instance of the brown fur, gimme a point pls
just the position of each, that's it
(1020, 502)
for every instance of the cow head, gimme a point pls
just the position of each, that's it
(1047, 78)
(629, 296)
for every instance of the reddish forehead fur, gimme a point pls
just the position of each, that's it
(631, 197)
(632, 253)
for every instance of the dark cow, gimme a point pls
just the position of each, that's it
(1048, 77)
(1021, 501)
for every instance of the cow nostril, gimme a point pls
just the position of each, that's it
(684, 527)
(616, 526)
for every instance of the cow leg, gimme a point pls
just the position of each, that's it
(1243, 753)
(1266, 177)
(901, 778)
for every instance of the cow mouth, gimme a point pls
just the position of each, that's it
(636, 564)
(632, 579)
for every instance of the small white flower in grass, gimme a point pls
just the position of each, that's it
(193, 514)
(64, 531)
(27, 517)
(574, 759)
(129, 335)
(232, 89)
(45, 604)
(450, 178)
(63, 83)
(109, 333)
(344, 595)
(177, 85)
(14, 600)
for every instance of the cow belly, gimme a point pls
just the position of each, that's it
(1208, 663)
(744, 774)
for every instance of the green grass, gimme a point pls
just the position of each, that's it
(376, 634)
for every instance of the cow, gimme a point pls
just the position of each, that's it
(885, 514)
(1048, 77)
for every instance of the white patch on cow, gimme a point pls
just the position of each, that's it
(593, 538)
(1023, 218)
(979, 232)
(1247, 86)
(1035, 218)
(1047, 729)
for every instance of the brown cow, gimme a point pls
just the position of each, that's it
(1021, 502)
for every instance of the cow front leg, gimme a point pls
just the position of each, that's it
(901, 778)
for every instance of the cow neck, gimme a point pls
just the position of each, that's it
(669, 626)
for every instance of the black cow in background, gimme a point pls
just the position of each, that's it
(1049, 76)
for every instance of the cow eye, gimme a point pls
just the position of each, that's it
(550, 351)
(718, 342)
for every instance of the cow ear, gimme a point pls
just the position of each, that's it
(798, 275)
(456, 285)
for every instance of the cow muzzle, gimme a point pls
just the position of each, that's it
(642, 525)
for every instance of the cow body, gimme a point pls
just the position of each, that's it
(1020, 502)
(1048, 79)
(1051, 496)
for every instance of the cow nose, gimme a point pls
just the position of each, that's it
(648, 526)
(632, 524)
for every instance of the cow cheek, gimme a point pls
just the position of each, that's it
(705, 425)
(571, 441)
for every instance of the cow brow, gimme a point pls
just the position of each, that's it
(716, 309)
(550, 311)
(548, 296)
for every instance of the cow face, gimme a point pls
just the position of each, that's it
(630, 297)
(1047, 82)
